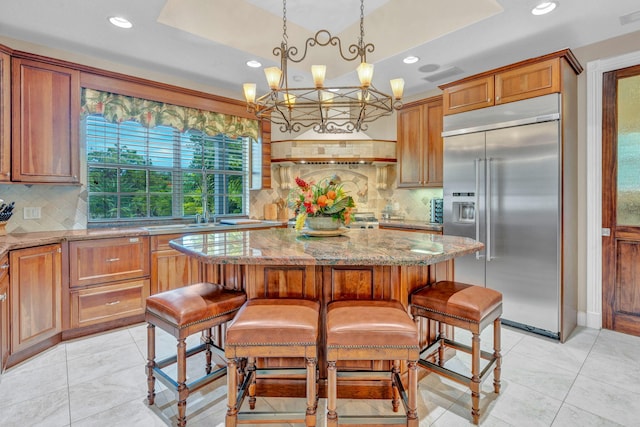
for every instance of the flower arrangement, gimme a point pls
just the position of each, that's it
(326, 198)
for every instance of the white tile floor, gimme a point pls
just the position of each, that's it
(591, 380)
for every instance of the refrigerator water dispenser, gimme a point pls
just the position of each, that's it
(464, 212)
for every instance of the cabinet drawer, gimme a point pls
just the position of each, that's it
(104, 303)
(108, 260)
(161, 241)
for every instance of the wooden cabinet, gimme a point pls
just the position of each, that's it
(36, 291)
(108, 260)
(171, 269)
(5, 117)
(108, 280)
(420, 147)
(526, 79)
(4, 311)
(46, 119)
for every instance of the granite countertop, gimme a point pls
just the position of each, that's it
(411, 224)
(355, 247)
(25, 240)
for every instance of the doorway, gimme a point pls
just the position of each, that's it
(621, 200)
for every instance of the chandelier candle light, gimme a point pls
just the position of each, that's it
(335, 109)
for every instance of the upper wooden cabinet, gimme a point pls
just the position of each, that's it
(5, 117)
(526, 79)
(46, 118)
(420, 144)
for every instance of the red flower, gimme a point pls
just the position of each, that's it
(301, 183)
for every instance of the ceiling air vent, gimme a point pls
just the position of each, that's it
(449, 72)
(630, 17)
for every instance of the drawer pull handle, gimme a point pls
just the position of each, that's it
(3, 297)
(4, 266)
(113, 303)
(112, 259)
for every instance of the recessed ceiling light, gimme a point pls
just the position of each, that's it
(254, 64)
(121, 22)
(411, 60)
(544, 7)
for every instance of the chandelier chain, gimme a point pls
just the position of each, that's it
(284, 20)
(361, 41)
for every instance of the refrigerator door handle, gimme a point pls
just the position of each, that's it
(477, 203)
(488, 203)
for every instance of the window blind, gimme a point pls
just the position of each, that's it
(160, 172)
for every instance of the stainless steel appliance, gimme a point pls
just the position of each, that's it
(366, 220)
(503, 186)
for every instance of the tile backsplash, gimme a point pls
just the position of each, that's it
(61, 207)
(65, 207)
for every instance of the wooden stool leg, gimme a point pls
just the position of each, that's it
(332, 394)
(151, 363)
(496, 353)
(474, 384)
(251, 367)
(395, 401)
(412, 405)
(207, 345)
(442, 335)
(312, 400)
(232, 391)
(183, 391)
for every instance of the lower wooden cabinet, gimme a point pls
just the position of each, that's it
(171, 269)
(4, 311)
(100, 304)
(36, 293)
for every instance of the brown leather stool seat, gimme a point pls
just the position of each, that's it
(183, 312)
(279, 327)
(373, 330)
(468, 307)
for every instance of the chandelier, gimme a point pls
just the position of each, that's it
(325, 109)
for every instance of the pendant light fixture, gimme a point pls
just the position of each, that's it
(325, 109)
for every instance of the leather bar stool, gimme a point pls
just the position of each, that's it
(183, 312)
(271, 328)
(373, 330)
(468, 307)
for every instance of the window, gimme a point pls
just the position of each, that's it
(138, 172)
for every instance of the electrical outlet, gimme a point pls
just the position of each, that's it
(32, 212)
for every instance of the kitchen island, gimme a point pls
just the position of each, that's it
(361, 264)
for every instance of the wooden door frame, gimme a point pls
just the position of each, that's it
(595, 70)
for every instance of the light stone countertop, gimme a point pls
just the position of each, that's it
(411, 224)
(26, 240)
(355, 247)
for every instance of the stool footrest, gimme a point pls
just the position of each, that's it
(283, 372)
(367, 420)
(451, 374)
(364, 375)
(270, 417)
(192, 385)
(195, 350)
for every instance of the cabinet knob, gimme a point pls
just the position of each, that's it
(3, 297)
(497, 98)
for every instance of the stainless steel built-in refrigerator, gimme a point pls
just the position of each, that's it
(503, 186)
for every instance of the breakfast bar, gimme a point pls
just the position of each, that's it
(359, 264)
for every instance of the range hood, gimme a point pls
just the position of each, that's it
(344, 148)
